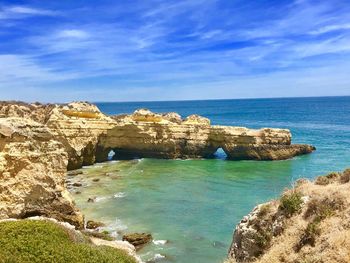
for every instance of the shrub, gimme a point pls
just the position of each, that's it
(345, 177)
(44, 241)
(309, 236)
(323, 208)
(264, 210)
(291, 203)
(263, 239)
(322, 180)
(327, 179)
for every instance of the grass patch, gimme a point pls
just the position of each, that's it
(291, 203)
(29, 241)
(264, 210)
(101, 235)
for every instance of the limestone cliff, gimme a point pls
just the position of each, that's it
(39, 142)
(32, 173)
(310, 223)
(76, 125)
(147, 134)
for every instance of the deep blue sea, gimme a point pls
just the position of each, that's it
(195, 204)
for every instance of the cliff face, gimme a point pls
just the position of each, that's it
(310, 223)
(39, 142)
(76, 125)
(32, 173)
(146, 134)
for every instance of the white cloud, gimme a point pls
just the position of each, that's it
(18, 12)
(72, 33)
(330, 28)
(16, 70)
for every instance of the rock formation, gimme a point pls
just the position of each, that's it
(39, 143)
(76, 125)
(309, 223)
(147, 134)
(32, 173)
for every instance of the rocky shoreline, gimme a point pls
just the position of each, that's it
(39, 143)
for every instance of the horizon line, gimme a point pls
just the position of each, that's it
(259, 98)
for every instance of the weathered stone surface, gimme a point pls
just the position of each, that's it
(32, 173)
(146, 134)
(76, 125)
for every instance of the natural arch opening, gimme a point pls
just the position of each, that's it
(220, 154)
(111, 155)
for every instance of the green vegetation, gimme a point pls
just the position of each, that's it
(309, 236)
(263, 239)
(290, 203)
(318, 210)
(101, 235)
(264, 210)
(29, 241)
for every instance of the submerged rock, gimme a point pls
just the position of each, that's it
(138, 239)
(91, 200)
(74, 173)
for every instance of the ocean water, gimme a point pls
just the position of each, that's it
(192, 206)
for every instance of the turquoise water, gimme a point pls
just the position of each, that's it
(195, 204)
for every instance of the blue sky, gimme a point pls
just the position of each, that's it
(173, 50)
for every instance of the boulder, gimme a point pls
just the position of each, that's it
(90, 224)
(138, 239)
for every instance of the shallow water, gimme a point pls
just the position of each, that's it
(195, 204)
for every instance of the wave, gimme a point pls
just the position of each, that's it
(119, 195)
(160, 242)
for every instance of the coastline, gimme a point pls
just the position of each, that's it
(74, 116)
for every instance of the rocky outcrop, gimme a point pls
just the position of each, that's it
(32, 173)
(147, 134)
(76, 125)
(138, 239)
(309, 223)
(39, 142)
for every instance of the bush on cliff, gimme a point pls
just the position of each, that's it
(43, 241)
(291, 203)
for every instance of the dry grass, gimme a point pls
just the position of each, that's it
(317, 232)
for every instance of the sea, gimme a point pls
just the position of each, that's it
(191, 207)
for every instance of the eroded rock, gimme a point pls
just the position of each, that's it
(32, 173)
(138, 239)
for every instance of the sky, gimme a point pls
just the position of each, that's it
(116, 50)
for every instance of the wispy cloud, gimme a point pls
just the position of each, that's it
(183, 46)
(17, 12)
